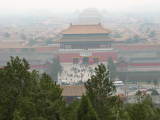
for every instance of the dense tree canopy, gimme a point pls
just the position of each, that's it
(86, 111)
(28, 95)
(99, 89)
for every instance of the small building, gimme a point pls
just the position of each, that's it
(71, 92)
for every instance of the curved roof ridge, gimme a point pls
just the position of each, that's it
(86, 29)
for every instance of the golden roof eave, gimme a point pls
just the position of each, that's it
(86, 29)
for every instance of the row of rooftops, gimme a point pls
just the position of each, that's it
(82, 29)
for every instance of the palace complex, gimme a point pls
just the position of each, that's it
(90, 44)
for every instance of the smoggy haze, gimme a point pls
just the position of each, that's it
(71, 5)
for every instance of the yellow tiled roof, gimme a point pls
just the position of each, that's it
(85, 29)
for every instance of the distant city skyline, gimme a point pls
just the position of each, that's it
(9, 6)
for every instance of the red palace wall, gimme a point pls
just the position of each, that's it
(145, 64)
(103, 56)
(68, 57)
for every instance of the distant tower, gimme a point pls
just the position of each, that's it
(90, 16)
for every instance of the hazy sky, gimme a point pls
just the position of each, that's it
(67, 5)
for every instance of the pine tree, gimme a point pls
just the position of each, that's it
(49, 102)
(86, 111)
(17, 116)
(71, 110)
(99, 89)
(143, 110)
(28, 95)
(15, 84)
